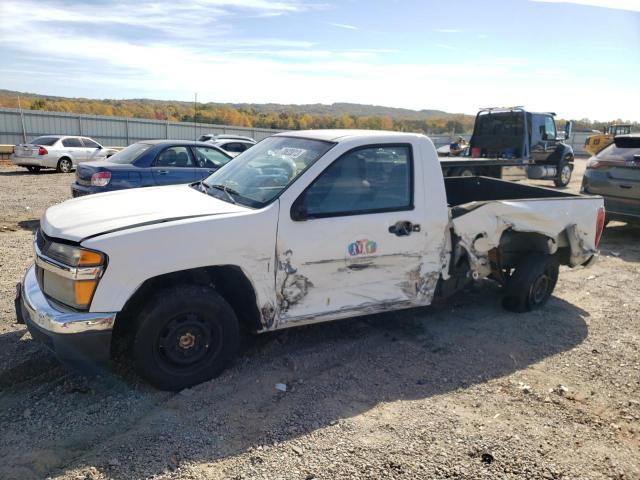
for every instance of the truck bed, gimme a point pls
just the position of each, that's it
(462, 190)
(482, 209)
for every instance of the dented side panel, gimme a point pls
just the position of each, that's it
(480, 229)
(351, 265)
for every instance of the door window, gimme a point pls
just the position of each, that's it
(549, 128)
(366, 180)
(90, 143)
(174, 157)
(210, 157)
(72, 142)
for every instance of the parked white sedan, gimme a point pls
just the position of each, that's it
(58, 151)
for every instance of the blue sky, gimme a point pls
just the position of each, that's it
(580, 58)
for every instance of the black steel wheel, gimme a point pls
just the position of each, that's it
(184, 336)
(532, 283)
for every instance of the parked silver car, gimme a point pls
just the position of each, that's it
(232, 144)
(61, 152)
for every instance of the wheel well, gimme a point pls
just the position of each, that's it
(228, 280)
(514, 245)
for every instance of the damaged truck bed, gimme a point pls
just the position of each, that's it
(302, 228)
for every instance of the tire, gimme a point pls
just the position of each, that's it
(532, 283)
(65, 165)
(565, 170)
(464, 172)
(33, 168)
(184, 336)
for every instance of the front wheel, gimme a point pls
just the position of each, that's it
(564, 174)
(33, 168)
(532, 283)
(184, 336)
(64, 165)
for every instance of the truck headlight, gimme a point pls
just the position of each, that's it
(70, 273)
(74, 256)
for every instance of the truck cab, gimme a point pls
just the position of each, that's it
(514, 137)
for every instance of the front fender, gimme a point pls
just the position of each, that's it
(147, 251)
(562, 152)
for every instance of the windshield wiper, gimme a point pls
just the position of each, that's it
(225, 189)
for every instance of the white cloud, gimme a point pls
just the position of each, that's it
(228, 67)
(343, 25)
(629, 5)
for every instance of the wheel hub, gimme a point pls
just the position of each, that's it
(187, 341)
(540, 288)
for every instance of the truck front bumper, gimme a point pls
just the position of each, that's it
(80, 339)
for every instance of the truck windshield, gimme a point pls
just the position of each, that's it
(261, 173)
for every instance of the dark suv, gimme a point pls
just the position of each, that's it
(614, 173)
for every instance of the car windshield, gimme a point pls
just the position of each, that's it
(130, 154)
(261, 173)
(45, 141)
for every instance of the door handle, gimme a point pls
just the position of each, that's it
(162, 172)
(404, 228)
(628, 187)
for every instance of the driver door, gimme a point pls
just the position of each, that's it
(358, 246)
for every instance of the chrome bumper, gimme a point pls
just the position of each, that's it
(54, 319)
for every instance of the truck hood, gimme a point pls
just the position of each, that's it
(92, 215)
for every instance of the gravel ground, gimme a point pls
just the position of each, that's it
(461, 390)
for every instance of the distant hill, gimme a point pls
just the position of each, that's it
(269, 115)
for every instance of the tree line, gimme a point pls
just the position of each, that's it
(248, 116)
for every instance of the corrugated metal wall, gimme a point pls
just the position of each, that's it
(120, 131)
(111, 131)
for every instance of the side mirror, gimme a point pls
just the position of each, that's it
(299, 209)
(567, 129)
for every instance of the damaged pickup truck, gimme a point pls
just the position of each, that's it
(304, 227)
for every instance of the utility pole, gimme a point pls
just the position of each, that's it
(195, 118)
(24, 131)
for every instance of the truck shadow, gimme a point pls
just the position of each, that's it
(333, 373)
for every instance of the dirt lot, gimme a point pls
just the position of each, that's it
(463, 390)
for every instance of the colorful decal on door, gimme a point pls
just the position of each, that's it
(362, 247)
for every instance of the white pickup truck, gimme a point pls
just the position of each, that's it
(304, 227)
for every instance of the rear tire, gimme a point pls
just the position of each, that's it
(65, 165)
(184, 336)
(532, 283)
(564, 174)
(33, 168)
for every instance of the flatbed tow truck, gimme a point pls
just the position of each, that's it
(511, 139)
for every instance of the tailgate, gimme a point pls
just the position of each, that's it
(483, 224)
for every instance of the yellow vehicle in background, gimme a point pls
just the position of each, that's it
(595, 143)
